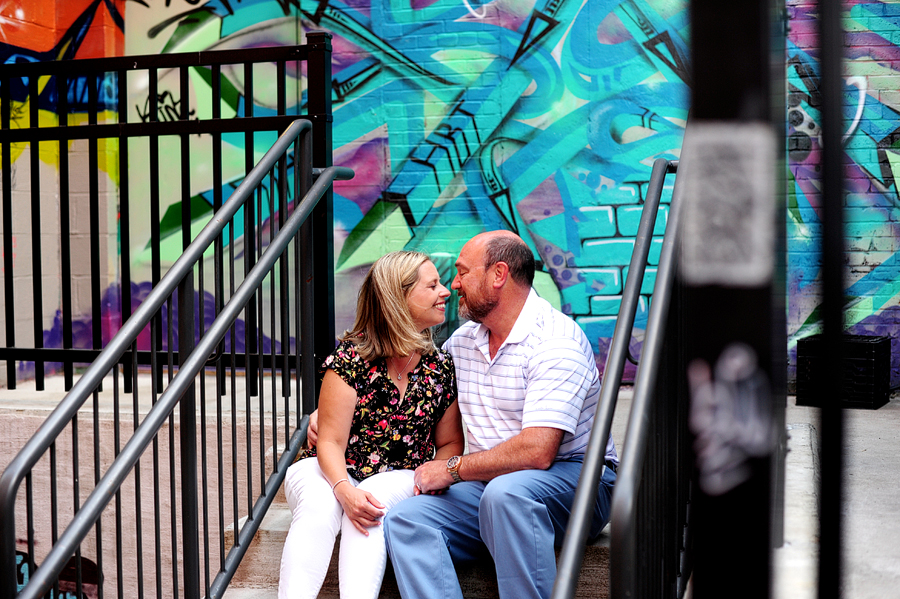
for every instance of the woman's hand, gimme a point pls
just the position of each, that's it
(312, 431)
(360, 506)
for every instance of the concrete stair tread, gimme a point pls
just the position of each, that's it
(257, 576)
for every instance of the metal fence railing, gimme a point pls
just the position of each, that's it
(174, 134)
(649, 554)
(278, 426)
(120, 493)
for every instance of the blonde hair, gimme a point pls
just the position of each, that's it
(384, 327)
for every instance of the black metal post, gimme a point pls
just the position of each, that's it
(188, 406)
(832, 419)
(322, 219)
(734, 202)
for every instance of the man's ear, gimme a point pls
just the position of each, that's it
(500, 273)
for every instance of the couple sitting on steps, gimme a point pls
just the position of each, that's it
(520, 375)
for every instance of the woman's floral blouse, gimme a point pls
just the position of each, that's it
(388, 432)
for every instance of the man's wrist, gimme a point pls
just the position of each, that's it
(453, 465)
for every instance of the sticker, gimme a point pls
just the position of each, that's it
(727, 179)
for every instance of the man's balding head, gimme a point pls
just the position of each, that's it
(507, 247)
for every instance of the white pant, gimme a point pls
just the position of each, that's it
(317, 517)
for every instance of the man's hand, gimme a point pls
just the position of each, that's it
(432, 478)
(312, 433)
(361, 507)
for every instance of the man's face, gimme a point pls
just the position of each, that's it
(477, 298)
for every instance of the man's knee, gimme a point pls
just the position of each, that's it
(512, 488)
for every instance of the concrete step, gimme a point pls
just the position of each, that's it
(257, 576)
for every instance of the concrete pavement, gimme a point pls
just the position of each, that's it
(871, 526)
(872, 492)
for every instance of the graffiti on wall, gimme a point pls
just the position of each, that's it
(457, 117)
(539, 117)
(872, 170)
(460, 116)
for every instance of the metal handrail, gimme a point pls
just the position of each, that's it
(42, 579)
(623, 545)
(572, 553)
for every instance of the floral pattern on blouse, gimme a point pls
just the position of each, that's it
(387, 433)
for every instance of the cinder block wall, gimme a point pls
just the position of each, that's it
(872, 123)
(539, 117)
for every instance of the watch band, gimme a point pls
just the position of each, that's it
(453, 468)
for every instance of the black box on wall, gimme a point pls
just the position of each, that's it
(867, 371)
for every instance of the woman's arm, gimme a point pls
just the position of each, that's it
(337, 404)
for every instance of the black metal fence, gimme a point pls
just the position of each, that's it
(176, 506)
(198, 109)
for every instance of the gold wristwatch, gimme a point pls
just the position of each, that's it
(453, 468)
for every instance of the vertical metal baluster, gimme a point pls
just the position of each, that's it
(36, 270)
(29, 521)
(250, 324)
(155, 260)
(273, 323)
(299, 406)
(138, 487)
(8, 288)
(204, 462)
(284, 288)
(76, 499)
(233, 383)
(92, 80)
(98, 530)
(261, 243)
(157, 516)
(124, 221)
(65, 229)
(218, 257)
(54, 505)
(117, 445)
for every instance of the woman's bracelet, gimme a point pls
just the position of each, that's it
(343, 480)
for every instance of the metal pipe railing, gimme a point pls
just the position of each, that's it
(22, 464)
(43, 577)
(572, 554)
(625, 566)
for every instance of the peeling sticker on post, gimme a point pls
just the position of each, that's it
(728, 180)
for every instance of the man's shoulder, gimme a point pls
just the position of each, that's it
(547, 324)
(462, 337)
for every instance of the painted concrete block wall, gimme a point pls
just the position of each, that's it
(542, 117)
(872, 204)
(538, 116)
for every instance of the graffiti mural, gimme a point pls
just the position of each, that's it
(460, 116)
(542, 117)
(872, 163)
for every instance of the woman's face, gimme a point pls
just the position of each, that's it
(426, 298)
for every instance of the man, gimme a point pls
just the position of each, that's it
(528, 389)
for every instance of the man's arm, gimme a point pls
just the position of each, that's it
(534, 448)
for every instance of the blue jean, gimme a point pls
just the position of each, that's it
(518, 517)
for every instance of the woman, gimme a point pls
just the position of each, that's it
(387, 404)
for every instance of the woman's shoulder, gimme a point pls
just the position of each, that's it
(438, 360)
(345, 353)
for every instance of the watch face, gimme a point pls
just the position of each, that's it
(453, 462)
